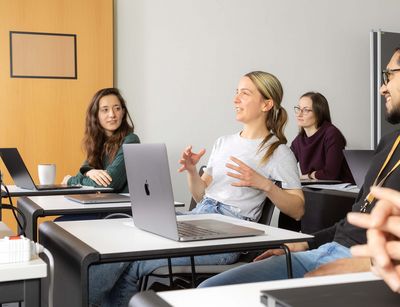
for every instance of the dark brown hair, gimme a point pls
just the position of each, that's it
(270, 88)
(95, 141)
(320, 108)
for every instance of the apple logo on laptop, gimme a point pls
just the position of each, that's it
(146, 188)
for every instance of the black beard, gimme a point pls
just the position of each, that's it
(394, 116)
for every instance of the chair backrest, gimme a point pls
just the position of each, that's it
(193, 203)
(267, 212)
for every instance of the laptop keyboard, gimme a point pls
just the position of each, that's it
(190, 230)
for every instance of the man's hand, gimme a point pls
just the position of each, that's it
(293, 247)
(383, 236)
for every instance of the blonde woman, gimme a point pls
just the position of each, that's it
(240, 173)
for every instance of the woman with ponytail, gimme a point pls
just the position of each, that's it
(107, 128)
(242, 171)
(243, 167)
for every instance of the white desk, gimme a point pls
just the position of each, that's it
(35, 207)
(249, 294)
(21, 281)
(79, 244)
(17, 192)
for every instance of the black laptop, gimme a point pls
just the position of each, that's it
(359, 294)
(358, 161)
(20, 174)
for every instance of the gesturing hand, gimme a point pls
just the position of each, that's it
(383, 236)
(100, 176)
(189, 159)
(247, 176)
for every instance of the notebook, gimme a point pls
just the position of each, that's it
(152, 199)
(98, 198)
(365, 294)
(20, 174)
(358, 161)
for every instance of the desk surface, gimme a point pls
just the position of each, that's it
(249, 294)
(60, 204)
(333, 189)
(99, 241)
(100, 235)
(17, 192)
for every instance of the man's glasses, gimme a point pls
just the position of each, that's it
(298, 110)
(386, 73)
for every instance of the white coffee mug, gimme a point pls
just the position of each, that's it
(47, 173)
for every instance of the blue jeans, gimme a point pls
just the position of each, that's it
(113, 284)
(274, 268)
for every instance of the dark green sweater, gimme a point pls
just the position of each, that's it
(116, 169)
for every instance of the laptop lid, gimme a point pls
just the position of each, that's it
(358, 161)
(98, 198)
(150, 187)
(152, 198)
(365, 294)
(20, 174)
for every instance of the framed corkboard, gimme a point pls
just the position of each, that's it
(43, 55)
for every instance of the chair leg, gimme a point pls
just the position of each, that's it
(288, 260)
(171, 279)
(145, 281)
(192, 264)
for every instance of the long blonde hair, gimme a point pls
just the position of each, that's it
(270, 88)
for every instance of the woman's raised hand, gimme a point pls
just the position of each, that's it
(189, 159)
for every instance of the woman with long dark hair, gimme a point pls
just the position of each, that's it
(107, 128)
(319, 145)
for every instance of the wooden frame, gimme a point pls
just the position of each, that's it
(43, 55)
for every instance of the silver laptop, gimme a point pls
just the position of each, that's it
(358, 161)
(99, 198)
(20, 174)
(152, 199)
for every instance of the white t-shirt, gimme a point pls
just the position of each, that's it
(281, 166)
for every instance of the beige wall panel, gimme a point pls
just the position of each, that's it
(44, 118)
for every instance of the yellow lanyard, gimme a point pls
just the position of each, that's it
(370, 198)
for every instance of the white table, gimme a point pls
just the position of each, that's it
(249, 294)
(17, 192)
(35, 207)
(79, 244)
(21, 281)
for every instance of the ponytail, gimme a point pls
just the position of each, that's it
(275, 122)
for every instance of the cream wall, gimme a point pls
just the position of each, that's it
(178, 63)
